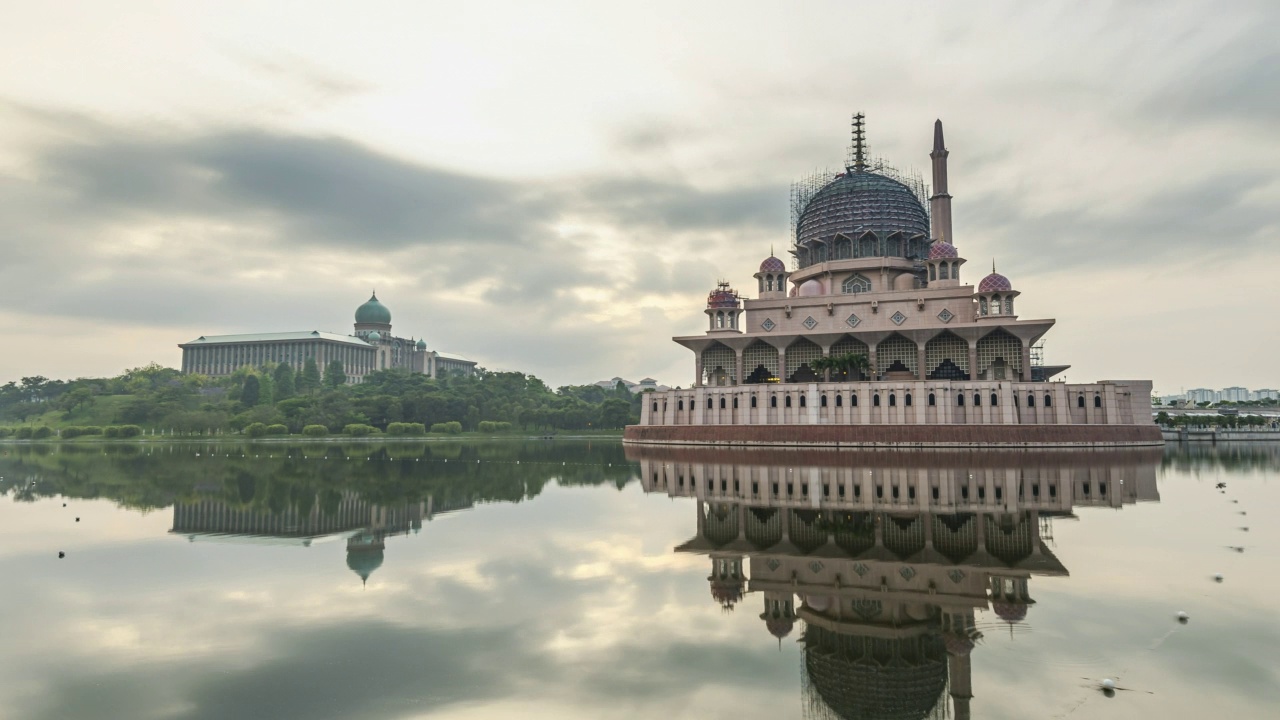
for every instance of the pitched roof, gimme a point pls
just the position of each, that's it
(276, 337)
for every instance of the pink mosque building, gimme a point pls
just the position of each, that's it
(877, 275)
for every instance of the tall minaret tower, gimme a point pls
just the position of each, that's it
(940, 203)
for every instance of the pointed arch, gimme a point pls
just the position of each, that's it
(760, 363)
(895, 245)
(897, 354)
(999, 356)
(855, 283)
(867, 245)
(946, 357)
(800, 355)
(843, 247)
(719, 365)
(849, 346)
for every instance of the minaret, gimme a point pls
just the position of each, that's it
(940, 203)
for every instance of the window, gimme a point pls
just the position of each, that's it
(768, 283)
(753, 401)
(875, 400)
(786, 401)
(773, 401)
(933, 272)
(995, 400)
(977, 400)
(1097, 401)
(906, 400)
(995, 305)
(853, 400)
(735, 402)
(1048, 400)
(822, 401)
(1008, 305)
(708, 403)
(893, 400)
(933, 399)
(655, 407)
(802, 401)
(943, 275)
(680, 405)
(856, 284)
(1080, 401)
(982, 306)
(960, 400)
(1031, 400)
(721, 402)
(839, 400)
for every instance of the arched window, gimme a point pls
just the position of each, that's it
(802, 401)
(655, 406)
(982, 306)
(1048, 400)
(995, 400)
(893, 400)
(1031, 400)
(933, 272)
(733, 320)
(708, 403)
(1097, 401)
(768, 283)
(680, 405)
(943, 274)
(1008, 305)
(720, 319)
(906, 400)
(853, 399)
(857, 283)
(875, 400)
(933, 399)
(753, 401)
(721, 402)
(735, 402)
(773, 401)
(839, 400)
(977, 400)
(959, 399)
(786, 401)
(1080, 401)
(995, 304)
(822, 401)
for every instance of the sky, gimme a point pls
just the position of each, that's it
(555, 187)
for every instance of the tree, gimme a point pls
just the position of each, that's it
(335, 375)
(283, 377)
(615, 413)
(309, 379)
(251, 391)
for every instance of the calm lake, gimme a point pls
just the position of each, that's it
(582, 579)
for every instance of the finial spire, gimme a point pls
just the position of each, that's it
(939, 146)
(859, 143)
(993, 265)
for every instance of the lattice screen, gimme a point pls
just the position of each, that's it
(849, 346)
(893, 349)
(719, 356)
(757, 357)
(1000, 345)
(946, 347)
(801, 352)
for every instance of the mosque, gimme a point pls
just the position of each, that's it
(370, 348)
(893, 566)
(870, 335)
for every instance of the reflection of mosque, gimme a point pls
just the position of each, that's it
(888, 558)
(362, 524)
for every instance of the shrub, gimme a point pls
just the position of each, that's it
(42, 432)
(359, 430)
(128, 431)
(5, 432)
(75, 432)
(401, 429)
(447, 428)
(111, 431)
(24, 433)
(315, 431)
(490, 426)
(255, 430)
(278, 429)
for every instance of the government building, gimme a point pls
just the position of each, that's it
(876, 284)
(370, 348)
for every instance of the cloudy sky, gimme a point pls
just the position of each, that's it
(555, 190)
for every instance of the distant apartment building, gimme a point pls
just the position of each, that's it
(1266, 394)
(1234, 394)
(1199, 395)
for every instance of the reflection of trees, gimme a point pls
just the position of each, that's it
(277, 476)
(1193, 456)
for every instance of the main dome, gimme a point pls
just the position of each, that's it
(859, 201)
(373, 312)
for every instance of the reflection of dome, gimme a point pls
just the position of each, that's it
(373, 312)
(727, 594)
(779, 627)
(856, 678)
(818, 602)
(942, 249)
(772, 264)
(959, 645)
(810, 288)
(364, 561)
(994, 282)
(861, 201)
(1010, 612)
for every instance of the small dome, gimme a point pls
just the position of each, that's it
(723, 297)
(818, 602)
(373, 312)
(772, 264)
(422, 344)
(727, 594)
(810, 288)
(994, 282)
(374, 336)
(942, 249)
(779, 627)
(1010, 612)
(364, 562)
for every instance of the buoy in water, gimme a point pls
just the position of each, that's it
(1217, 578)
(1183, 617)
(1108, 684)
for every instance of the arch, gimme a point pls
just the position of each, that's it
(982, 306)
(875, 400)
(680, 405)
(999, 356)
(995, 304)
(849, 346)
(894, 245)
(719, 365)
(822, 401)
(735, 402)
(655, 406)
(1097, 401)
(977, 400)
(897, 358)
(753, 402)
(906, 399)
(844, 247)
(893, 400)
(773, 401)
(722, 402)
(839, 400)
(1048, 400)
(855, 283)
(942, 271)
(933, 270)
(800, 354)
(946, 357)
(1080, 401)
(1031, 400)
(709, 406)
(762, 359)
(868, 245)
(1008, 305)
(768, 283)
(803, 401)
(933, 400)
(959, 399)
(786, 400)
(995, 400)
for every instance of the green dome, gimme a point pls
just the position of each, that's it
(373, 312)
(422, 344)
(374, 336)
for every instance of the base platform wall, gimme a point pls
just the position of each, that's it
(898, 436)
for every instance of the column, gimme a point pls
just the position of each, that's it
(921, 370)
(697, 368)
(973, 360)
(871, 360)
(782, 367)
(738, 366)
(1026, 362)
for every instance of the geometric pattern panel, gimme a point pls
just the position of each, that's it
(768, 324)
(898, 318)
(946, 347)
(719, 361)
(945, 316)
(800, 355)
(896, 349)
(810, 323)
(849, 346)
(760, 363)
(999, 354)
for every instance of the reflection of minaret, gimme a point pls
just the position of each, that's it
(364, 554)
(779, 613)
(726, 579)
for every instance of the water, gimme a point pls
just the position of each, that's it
(566, 579)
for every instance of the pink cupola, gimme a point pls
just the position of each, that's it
(995, 296)
(724, 309)
(943, 263)
(772, 278)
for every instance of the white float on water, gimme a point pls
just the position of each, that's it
(1217, 578)
(1183, 616)
(1108, 684)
